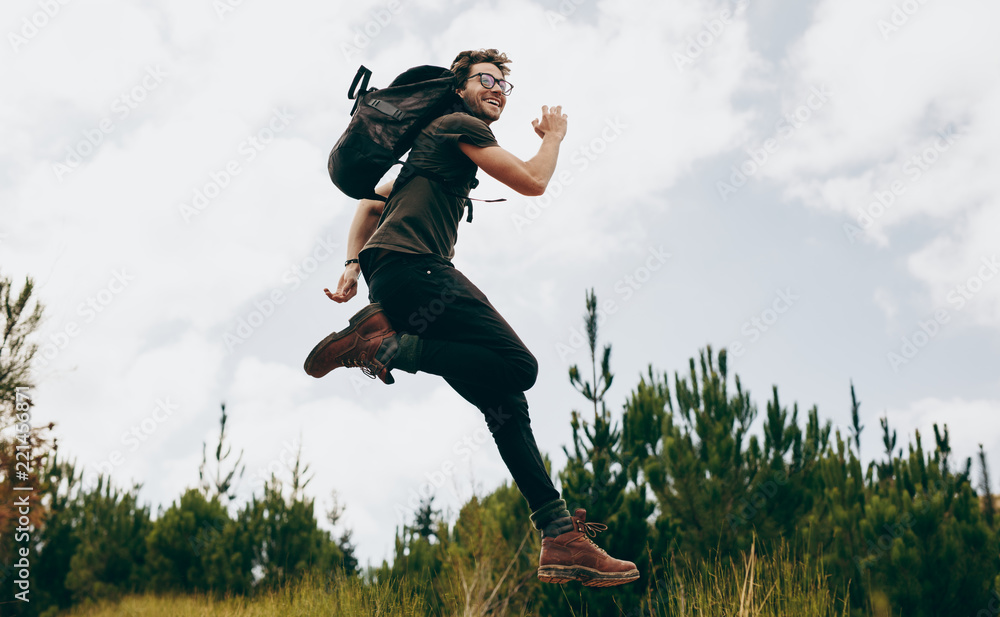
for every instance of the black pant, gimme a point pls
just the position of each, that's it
(466, 341)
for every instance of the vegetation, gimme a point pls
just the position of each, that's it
(720, 519)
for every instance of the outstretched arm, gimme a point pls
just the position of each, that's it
(526, 177)
(362, 227)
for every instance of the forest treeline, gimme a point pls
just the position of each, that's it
(678, 474)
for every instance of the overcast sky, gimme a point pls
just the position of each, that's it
(811, 185)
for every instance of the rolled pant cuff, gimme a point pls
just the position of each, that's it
(552, 510)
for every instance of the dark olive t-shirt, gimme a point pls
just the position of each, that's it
(423, 216)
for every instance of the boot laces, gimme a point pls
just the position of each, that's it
(368, 367)
(592, 529)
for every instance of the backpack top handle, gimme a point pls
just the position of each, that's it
(362, 77)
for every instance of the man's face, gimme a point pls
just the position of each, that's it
(484, 104)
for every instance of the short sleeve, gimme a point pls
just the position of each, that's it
(463, 127)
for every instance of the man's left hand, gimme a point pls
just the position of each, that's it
(347, 286)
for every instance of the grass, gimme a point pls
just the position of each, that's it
(344, 597)
(773, 586)
(777, 586)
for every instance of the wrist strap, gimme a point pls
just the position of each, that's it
(351, 261)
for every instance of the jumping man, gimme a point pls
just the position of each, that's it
(404, 248)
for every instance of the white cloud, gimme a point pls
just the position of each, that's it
(612, 66)
(884, 300)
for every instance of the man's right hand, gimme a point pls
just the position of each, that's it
(529, 177)
(553, 121)
(347, 286)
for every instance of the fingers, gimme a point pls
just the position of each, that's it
(555, 110)
(341, 295)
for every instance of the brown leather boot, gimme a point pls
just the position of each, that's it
(573, 556)
(369, 342)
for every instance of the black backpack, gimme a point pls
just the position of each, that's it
(384, 123)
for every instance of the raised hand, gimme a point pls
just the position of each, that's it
(553, 122)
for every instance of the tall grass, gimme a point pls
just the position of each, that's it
(754, 586)
(774, 586)
(307, 598)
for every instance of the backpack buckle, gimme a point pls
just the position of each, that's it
(387, 108)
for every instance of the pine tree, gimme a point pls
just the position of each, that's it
(181, 540)
(291, 544)
(110, 555)
(594, 478)
(705, 483)
(597, 473)
(22, 317)
(221, 485)
(347, 548)
(426, 518)
(989, 507)
(856, 426)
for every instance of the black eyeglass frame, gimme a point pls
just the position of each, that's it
(482, 80)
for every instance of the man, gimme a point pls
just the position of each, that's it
(427, 316)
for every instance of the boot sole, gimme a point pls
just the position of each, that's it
(587, 576)
(352, 325)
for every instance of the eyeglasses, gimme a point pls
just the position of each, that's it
(488, 81)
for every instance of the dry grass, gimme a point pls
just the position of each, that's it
(773, 586)
(309, 598)
(777, 586)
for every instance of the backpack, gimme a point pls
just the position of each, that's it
(384, 124)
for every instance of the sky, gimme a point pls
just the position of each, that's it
(811, 186)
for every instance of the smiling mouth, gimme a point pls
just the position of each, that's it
(493, 102)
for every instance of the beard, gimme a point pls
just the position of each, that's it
(483, 110)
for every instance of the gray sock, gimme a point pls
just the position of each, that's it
(408, 357)
(552, 519)
(558, 527)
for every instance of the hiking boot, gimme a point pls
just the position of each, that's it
(573, 556)
(369, 342)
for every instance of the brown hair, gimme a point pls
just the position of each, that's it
(462, 66)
